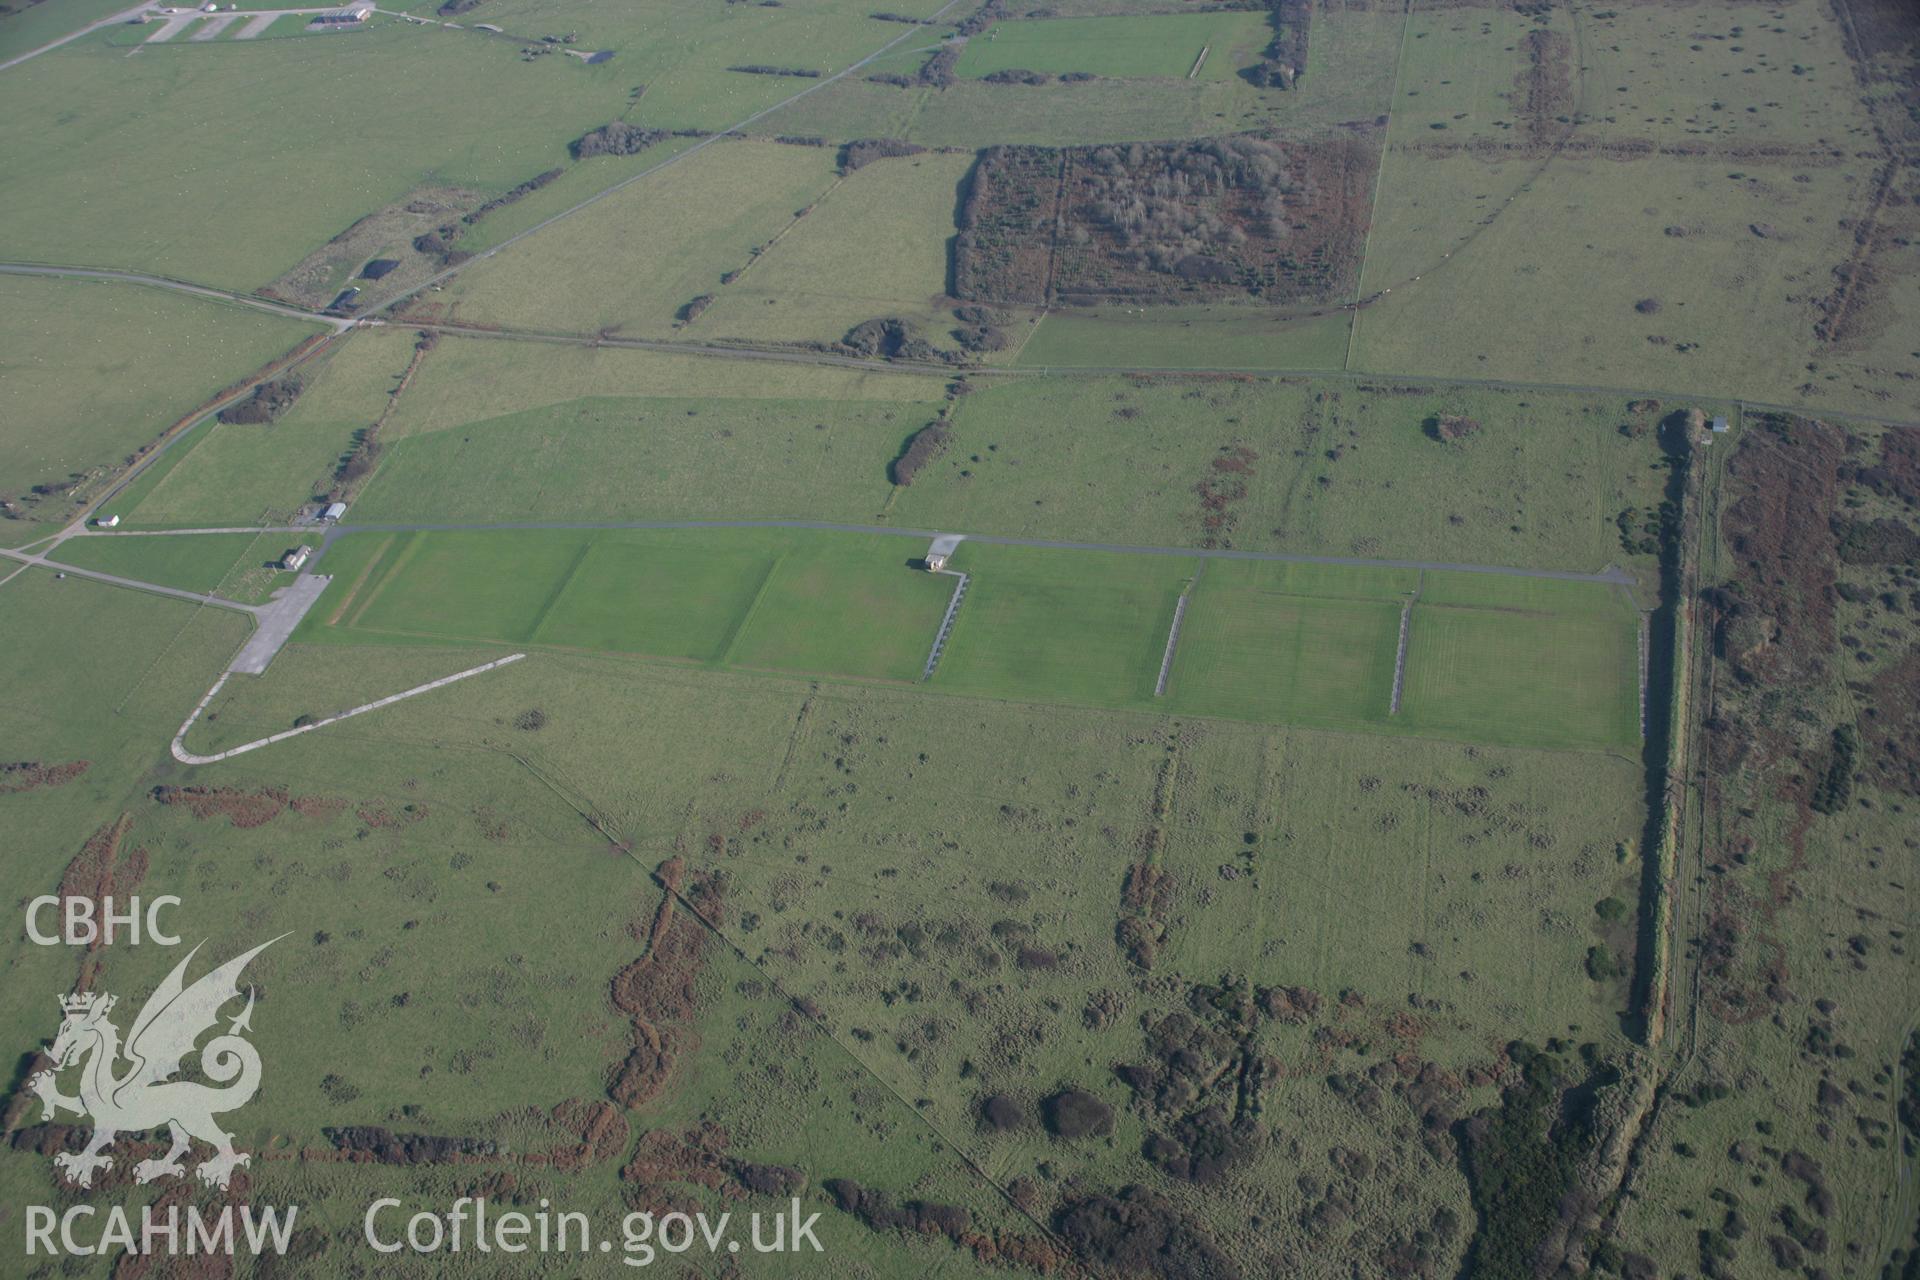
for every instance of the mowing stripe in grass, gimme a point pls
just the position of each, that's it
(366, 571)
(392, 572)
(559, 589)
(740, 626)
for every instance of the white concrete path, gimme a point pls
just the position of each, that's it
(185, 756)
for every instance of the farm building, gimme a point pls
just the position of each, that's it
(334, 511)
(1720, 426)
(349, 16)
(106, 522)
(295, 558)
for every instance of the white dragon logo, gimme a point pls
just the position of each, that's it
(144, 1097)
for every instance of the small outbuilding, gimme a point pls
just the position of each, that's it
(1720, 427)
(334, 511)
(105, 522)
(296, 558)
(941, 551)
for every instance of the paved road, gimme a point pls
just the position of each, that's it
(221, 602)
(276, 622)
(1611, 575)
(125, 15)
(179, 286)
(185, 756)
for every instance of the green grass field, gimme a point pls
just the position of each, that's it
(672, 597)
(94, 370)
(1522, 677)
(649, 458)
(845, 606)
(1350, 77)
(35, 25)
(261, 198)
(875, 245)
(237, 565)
(787, 600)
(1734, 315)
(1163, 45)
(469, 380)
(1062, 626)
(1491, 658)
(1289, 644)
(704, 217)
(1327, 468)
(236, 473)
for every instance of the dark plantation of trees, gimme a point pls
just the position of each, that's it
(864, 151)
(1147, 222)
(268, 401)
(616, 139)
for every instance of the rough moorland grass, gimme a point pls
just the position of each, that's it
(653, 458)
(1716, 74)
(1457, 76)
(1334, 469)
(1407, 853)
(875, 245)
(1164, 45)
(1734, 315)
(682, 53)
(97, 674)
(1062, 626)
(1213, 337)
(703, 218)
(94, 369)
(1486, 860)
